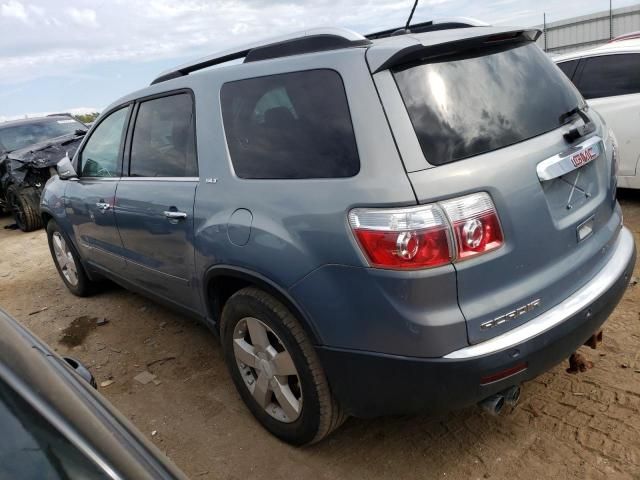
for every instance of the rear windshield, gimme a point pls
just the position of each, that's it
(25, 134)
(467, 105)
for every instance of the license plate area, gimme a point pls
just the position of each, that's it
(570, 192)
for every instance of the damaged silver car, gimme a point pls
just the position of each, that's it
(29, 151)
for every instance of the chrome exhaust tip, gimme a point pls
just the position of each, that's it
(493, 405)
(512, 395)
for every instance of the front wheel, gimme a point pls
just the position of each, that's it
(67, 261)
(24, 212)
(276, 370)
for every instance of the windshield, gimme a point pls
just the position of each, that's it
(20, 136)
(471, 104)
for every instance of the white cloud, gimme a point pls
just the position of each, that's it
(85, 32)
(39, 11)
(84, 17)
(14, 9)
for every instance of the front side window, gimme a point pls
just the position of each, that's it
(163, 142)
(610, 75)
(465, 105)
(290, 126)
(101, 154)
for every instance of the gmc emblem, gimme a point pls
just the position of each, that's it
(583, 157)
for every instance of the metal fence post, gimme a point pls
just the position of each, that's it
(544, 29)
(610, 19)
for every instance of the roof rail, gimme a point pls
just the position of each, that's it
(446, 23)
(312, 40)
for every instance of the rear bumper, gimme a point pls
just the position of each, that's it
(372, 384)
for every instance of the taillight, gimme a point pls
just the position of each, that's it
(428, 235)
(416, 237)
(475, 224)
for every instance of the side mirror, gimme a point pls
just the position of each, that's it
(65, 169)
(81, 370)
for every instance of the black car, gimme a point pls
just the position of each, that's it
(56, 426)
(29, 151)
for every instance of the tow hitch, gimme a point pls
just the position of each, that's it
(578, 362)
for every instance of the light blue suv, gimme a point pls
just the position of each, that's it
(404, 222)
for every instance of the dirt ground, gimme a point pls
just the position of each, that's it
(566, 426)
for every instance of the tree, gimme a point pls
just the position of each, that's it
(87, 117)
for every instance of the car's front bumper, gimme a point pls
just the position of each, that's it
(372, 384)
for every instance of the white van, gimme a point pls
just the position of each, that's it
(608, 76)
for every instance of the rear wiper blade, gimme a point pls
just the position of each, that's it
(581, 130)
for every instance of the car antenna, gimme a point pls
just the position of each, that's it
(406, 27)
(405, 30)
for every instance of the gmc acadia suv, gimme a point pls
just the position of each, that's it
(385, 225)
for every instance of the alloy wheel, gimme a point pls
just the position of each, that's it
(65, 259)
(267, 369)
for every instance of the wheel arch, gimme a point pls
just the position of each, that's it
(46, 215)
(222, 281)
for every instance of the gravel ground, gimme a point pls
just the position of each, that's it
(566, 426)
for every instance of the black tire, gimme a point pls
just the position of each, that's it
(320, 414)
(84, 286)
(25, 214)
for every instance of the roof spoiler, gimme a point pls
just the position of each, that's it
(418, 51)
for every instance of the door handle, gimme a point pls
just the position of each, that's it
(103, 206)
(175, 215)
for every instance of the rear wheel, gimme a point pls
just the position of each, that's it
(276, 369)
(25, 213)
(67, 261)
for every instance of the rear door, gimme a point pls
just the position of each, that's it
(90, 200)
(155, 201)
(485, 121)
(611, 84)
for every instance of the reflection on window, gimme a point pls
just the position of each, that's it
(101, 154)
(466, 105)
(32, 449)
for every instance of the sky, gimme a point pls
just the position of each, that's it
(80, 55)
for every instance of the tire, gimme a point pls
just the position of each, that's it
(25, 214)
(318, 413)
(78, 284)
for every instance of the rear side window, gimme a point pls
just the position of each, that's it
(163, 142)
(568, 68)
(465, 105)
(290, 126)
(610, 75)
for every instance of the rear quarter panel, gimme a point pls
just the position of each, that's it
(295, 226)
